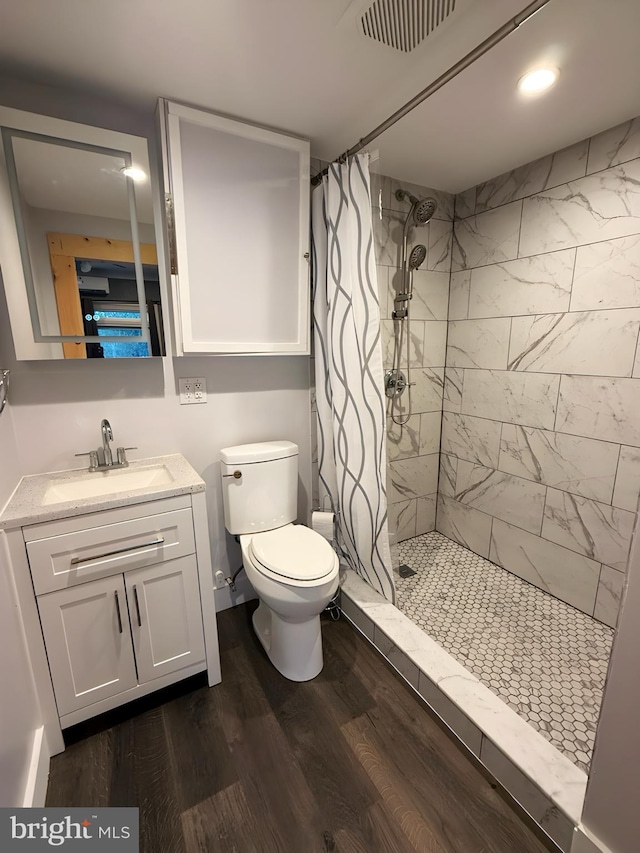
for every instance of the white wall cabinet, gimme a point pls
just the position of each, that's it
(238, 232)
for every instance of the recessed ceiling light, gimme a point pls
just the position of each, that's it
(538, 80)
(134, 173)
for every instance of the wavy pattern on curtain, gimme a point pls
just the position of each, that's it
(349, 376)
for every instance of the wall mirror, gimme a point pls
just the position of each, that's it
(77, 240)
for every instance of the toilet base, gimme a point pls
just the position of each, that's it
(294, 648)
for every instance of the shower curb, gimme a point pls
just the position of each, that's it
(540, 778)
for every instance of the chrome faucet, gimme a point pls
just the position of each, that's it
(102, 458)
(107, 436)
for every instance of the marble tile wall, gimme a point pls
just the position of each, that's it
(413, 448)
(540, 467)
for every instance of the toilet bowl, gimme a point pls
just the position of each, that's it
(294, 572)
(293, 569)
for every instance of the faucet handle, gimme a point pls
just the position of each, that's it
(122, 455)
(93, 458)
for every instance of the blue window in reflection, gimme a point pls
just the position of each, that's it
(126, 349)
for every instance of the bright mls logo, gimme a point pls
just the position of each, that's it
(69, 829)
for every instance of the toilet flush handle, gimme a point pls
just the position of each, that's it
(236, 475)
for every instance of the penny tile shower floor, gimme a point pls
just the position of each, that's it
(545, 659)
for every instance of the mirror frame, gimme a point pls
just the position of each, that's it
(29, 341)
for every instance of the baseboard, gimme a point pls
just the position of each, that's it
(35, 792)
(225, 598)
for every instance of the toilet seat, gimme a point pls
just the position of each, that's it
(293, 554)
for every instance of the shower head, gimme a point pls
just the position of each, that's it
(421, 209)
(417, 256)
(424, 210)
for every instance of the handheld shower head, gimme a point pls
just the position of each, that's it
(417, 256)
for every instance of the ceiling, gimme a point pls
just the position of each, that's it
(303, 66)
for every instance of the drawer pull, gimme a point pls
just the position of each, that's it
(135, 596)
(76, 560)
(118, 613)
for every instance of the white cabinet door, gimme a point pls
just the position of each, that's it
(88, 639)
(240, 198)
(166, 617)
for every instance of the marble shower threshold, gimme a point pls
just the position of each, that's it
(539, 777)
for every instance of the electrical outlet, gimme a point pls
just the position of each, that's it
(192, 391)
(200, 390)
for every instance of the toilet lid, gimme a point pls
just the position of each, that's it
(295, 552)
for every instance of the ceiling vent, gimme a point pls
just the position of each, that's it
(404, 24)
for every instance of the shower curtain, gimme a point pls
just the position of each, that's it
(348, 367)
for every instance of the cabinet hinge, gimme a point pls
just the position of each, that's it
(171, 233)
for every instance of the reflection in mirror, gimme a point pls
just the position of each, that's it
(96, 294)
(109, 306)
(87, 244)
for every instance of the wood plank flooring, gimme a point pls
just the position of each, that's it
(351, 762)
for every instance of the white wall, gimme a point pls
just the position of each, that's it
(611, 804)
(19, 711)
(10, 467)
(58, 406)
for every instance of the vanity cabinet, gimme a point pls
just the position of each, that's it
(238, 226)
(120, 602)
(105, 637)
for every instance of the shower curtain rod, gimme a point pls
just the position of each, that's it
(485, 46)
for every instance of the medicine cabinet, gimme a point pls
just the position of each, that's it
(77, 240)
(238, 222)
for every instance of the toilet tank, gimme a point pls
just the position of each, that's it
(259, 485)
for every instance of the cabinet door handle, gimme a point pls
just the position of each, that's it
(118, 613)
(76, 560)
(135, 596)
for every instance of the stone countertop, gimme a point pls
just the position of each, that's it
(26, 505)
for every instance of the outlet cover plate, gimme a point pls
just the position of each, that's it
(192, 391)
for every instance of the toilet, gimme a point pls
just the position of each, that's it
(293, 570)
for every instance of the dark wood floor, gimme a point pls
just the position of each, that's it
(351, 762)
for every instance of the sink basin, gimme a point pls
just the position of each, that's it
(94, 484)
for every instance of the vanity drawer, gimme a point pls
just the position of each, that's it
(75, 557)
